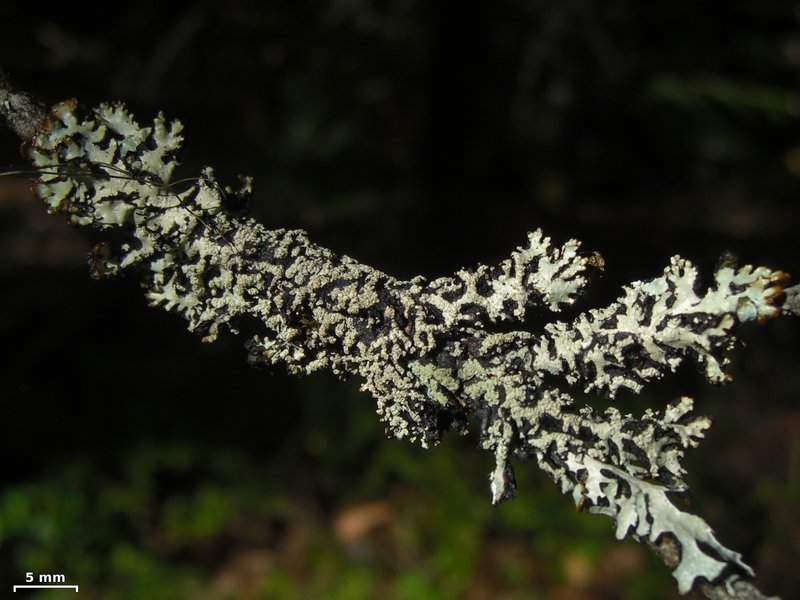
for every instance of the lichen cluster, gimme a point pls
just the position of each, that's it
(427, 350)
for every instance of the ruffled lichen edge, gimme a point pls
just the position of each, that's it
(425, 349)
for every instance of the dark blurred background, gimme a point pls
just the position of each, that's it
(417, 137)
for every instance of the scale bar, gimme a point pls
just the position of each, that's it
(29, 587)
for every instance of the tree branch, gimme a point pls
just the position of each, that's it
(425, 349)
(23, 114)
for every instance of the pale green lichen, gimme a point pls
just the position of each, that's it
(425, 349)
(644, 510)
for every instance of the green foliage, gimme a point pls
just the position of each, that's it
(181, 520)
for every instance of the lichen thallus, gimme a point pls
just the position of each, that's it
(87, 172)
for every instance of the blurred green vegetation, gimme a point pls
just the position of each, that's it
(185, 520)
(417, 137)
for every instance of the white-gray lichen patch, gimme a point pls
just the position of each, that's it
(791, 305)
(645, 511)
(426, 349)
(656, 324)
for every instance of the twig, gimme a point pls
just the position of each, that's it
(427, 350)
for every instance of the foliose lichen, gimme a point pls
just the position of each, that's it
(426, 349)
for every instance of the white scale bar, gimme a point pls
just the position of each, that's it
(21, 587)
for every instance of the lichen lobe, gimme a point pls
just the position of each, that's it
(429, 351)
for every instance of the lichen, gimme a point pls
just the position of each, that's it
(427, 350)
